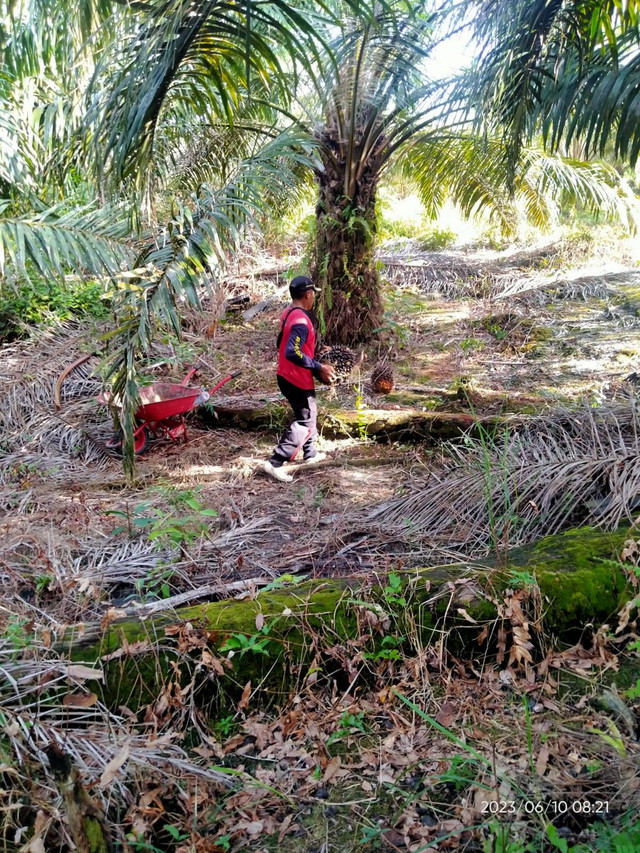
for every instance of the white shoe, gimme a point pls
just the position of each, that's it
(276, 473)
(313, 460)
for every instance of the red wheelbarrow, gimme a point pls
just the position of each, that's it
(162, 410)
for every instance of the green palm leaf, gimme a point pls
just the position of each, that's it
(200, 56)
(571, 65)
(477, 174)
(56, 241)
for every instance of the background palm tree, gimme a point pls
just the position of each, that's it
(566, 68)
(380, 110)
(375, 103)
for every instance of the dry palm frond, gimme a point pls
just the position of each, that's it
(44, 700)
(432, 272)
(540, 289)
(570, 467)
(36, 437)
(90, 567)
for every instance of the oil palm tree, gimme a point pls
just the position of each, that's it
(191, 63)
(374, 105)
(378, 110)
(568, 68)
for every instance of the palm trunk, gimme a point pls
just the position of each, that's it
(351, 304)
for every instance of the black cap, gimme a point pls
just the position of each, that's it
(299, 286)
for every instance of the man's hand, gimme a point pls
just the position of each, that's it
(327, 373)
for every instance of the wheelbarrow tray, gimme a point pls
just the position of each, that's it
(164, 400)
(160, 401)
(161, 410)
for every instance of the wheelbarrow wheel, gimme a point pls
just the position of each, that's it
(140, 442)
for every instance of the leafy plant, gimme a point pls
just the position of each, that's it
(348, 723)
(258, 643)
(392, 331)
(44, 301)
(43, 582)
(390, 649)
(174, 832)
(522, 579)
(633, 692)
(461, 772)
(17, 633)
(225, 725)
(164, 528)
(437, 238)
(157, 584)
(469, 344)
(499, 841)
(392, 592)
(361, 407)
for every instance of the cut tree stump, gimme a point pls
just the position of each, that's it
(579, 579)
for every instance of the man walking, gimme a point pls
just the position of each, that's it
(296, 368)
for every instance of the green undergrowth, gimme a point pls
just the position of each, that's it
(42, 302)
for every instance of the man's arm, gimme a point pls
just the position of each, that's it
(293, 350)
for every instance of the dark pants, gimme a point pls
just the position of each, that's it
(303, 431)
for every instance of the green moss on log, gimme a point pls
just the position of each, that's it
(576, 571)
(574, 577)
(383, 424)
(95, 836)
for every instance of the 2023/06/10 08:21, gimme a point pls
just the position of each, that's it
(552, 807)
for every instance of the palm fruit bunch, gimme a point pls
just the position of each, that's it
(343, 359)
(382, 378)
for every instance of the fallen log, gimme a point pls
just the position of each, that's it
(577, 574)
(383, 424)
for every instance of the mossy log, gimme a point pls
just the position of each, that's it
(579, 579)
(382, 424)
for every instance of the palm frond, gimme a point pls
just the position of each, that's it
(476, 173)
(567, 64)
(35, 719)
(200, 55)
(561, 470)
(597, 105)
(375, 94)
(56, 240)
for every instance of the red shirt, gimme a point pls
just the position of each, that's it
(297, 346)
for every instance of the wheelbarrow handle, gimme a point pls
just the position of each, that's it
(225, 380)
(189, 375)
